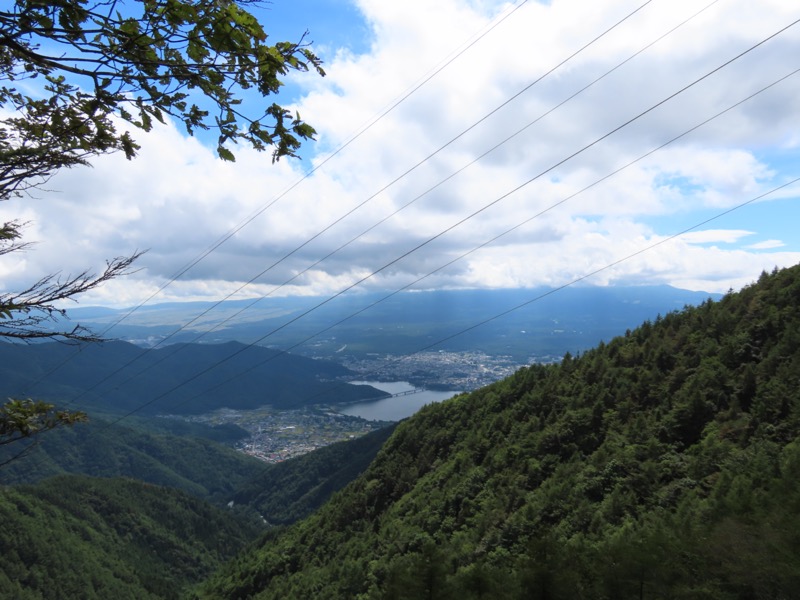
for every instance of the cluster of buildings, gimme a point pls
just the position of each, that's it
(276, 435)
(436, 370)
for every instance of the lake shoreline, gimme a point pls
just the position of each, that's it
(406, 399)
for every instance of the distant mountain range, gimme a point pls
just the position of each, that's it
(547, 322)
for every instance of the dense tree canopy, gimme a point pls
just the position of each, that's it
(97, 538)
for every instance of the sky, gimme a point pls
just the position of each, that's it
(465, 144)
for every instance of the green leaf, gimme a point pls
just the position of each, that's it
(225, 154)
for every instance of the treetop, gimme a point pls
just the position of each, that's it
(102, 61)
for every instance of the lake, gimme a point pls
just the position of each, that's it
(393, 409)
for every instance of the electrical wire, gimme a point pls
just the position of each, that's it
(503, 234)
(236, 229)
(386, 187)
(465, 219)
(186, 268)
(550, 169)
(557, 289)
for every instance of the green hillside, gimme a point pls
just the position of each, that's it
(288, 491)
(98, 539)
(82, 537)
(201, 467)
(115, 378)
(663, 464)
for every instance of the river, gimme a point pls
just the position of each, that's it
(393, 409)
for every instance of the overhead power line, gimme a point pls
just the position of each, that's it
(415, 166)
(387, 186)
(519, 187)
(561, 162)
(236, 229)
(514, 228)
(557, 289)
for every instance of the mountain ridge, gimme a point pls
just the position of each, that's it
(408, 321)
(98, 448)
(117, 377)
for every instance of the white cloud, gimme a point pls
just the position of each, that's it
(178, 200)
(767, 245)
(709, 236)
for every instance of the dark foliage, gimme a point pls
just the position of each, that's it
(78, 537)
(200, 467)
(117, 377)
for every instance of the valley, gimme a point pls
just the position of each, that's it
(625, 463)
(277, 435)
(467, 338)
(660, 464)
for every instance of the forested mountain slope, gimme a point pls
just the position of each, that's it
(93, 537)
(663, 464)
(285, 492)
(99, 539)
(201, 467)
(117, 377)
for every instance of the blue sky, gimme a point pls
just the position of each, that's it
(382, 198)
(336, 24)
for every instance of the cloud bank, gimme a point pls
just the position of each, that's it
(496, 172)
